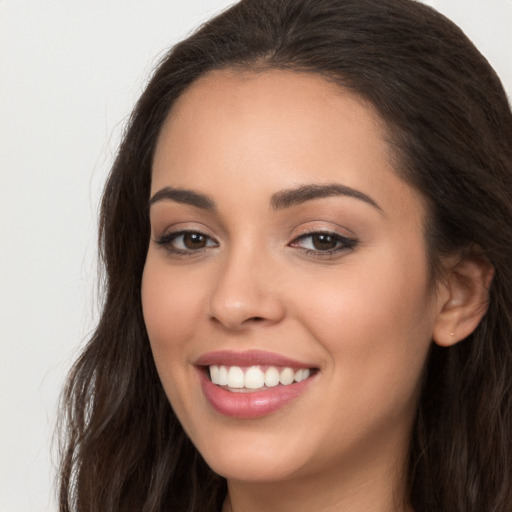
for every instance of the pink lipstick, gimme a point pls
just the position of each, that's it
(253, 383)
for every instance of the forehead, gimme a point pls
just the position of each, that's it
(306, 103)
(274, 129)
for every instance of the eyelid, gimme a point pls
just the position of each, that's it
(161, 230)
(319, 226)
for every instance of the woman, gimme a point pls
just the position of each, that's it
(306, 237)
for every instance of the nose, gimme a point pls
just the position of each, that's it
(246, 293)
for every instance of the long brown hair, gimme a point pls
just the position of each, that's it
(450, 129)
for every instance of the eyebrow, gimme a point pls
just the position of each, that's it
(279, 200)
(293, 197)
(184, 196)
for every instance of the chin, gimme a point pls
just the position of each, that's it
(257, 471)
(255, 460)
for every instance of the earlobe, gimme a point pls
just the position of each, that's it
(464, 301)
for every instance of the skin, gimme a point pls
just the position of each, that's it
(364, 316)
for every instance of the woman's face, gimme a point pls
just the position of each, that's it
(284, 244)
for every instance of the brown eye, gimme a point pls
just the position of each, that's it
(194, 241)
(324, 242)
(186, 242)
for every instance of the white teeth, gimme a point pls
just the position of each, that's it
(271, 377)
(223, 376)
(254, 378)
(236, 377)
(301, 375)
(286, 376)
(214, 373)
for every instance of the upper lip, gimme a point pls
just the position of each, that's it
(248, 358)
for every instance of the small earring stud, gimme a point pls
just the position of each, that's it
(452, 333)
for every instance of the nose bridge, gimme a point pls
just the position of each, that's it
(245, 291)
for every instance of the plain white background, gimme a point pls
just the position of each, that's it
(70, 74)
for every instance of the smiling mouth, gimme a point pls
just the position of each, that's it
(240, 379)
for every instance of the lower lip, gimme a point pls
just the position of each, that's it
(250, 404)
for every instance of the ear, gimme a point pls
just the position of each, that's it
(464, 299)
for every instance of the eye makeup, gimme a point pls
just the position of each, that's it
(318, 243)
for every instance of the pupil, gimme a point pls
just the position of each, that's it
(324, 242)
(194, 241)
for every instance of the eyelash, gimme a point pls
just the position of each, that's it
(166, 242)
(343, 243)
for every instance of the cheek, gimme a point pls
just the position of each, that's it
(171, 305)
(375, 321)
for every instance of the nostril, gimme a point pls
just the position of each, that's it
(252, 319)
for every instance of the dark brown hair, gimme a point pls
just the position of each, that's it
(450, 129)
